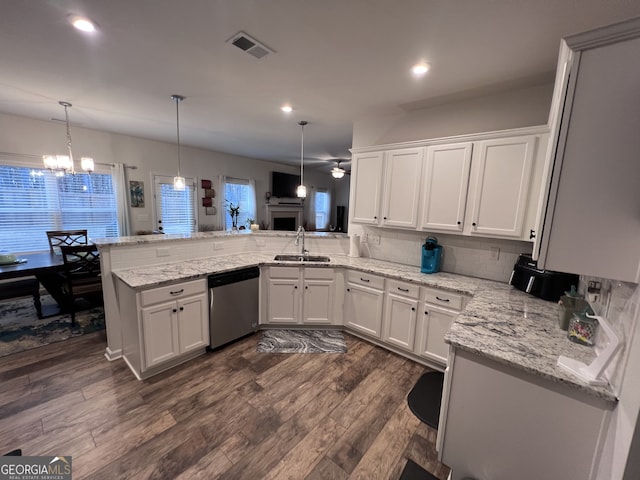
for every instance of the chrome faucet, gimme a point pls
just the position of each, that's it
(300, 234)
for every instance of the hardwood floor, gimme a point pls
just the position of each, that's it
(231, 414)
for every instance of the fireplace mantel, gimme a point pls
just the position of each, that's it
(295, 212)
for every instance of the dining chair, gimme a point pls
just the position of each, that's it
(82, 276)
(58, 238)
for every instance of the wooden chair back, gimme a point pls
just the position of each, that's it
(81, 274)
(59, 238)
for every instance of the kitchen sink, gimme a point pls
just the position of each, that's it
(302, 258)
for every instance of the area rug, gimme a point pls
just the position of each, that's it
(302, 341)
(21, 329)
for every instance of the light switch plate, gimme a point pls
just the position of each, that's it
(261, 242)
(218, 245)
(162, 252)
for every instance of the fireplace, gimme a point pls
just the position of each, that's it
(284, 217)
(284, 223)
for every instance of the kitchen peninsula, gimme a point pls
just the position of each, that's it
(508, 342)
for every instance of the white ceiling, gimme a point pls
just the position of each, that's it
(335, 61)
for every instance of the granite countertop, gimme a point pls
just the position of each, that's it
(160, 237)
(499, 322)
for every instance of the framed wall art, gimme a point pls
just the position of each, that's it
(136, 192)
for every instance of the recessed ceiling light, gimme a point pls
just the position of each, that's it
(286, 108)
(83, 24)
(420, 69)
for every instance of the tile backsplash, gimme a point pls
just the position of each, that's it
(619, 303)
(488, 258)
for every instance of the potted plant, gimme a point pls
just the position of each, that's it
(252, 224)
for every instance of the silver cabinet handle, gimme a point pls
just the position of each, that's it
(530, 284)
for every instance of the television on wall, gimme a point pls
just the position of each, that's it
(283, 185)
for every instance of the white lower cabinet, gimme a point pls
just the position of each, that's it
(401, 314)
(164, 326)
(301, 295)
(363, 302)
(440, 310)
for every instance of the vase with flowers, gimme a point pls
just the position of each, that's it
(234, 212)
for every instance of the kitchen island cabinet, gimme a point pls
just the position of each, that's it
(501, 424)
(163, 326)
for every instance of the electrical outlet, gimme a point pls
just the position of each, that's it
(495, 253)
(364, 238)
(162, 252)
(374, 239)
(218, 245)
(261, 242)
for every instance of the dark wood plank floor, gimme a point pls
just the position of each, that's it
(232, 414)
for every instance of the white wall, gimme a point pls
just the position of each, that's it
(35, 137)
(511, 109)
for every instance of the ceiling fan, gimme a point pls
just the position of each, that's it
(339, 172)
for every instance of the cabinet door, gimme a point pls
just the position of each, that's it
(318, 301)
(193, 323)
(363, 309)
(160, 333)
(500, 177)
(402, 187)
(444, 182)
(592, 222)
(400, 321)
(284, 301)
(434, 325)
(366, 187)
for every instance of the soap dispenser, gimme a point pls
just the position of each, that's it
(431, 255)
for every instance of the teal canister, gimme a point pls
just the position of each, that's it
(431, 256)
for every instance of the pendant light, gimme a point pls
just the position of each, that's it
(64, 163)
(178, 182)
(337, 172)
(301, 191)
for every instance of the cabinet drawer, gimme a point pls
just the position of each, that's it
(403, 288)
(366, 279)
(319, 273)
(454, 301)
(284, 272)
(172, 292)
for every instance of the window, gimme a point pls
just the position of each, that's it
(323, 207)
(239, 192)
(175, 209)
(33, 201)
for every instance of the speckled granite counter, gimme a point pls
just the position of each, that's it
(499, 322)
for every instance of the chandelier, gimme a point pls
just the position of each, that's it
(64, 163)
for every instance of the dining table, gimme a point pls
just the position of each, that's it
(46, 267)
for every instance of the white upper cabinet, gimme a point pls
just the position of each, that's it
(482, 185)
(444, 183)
(592, 223)
(366, 187)
(402, 187)
(499, 186)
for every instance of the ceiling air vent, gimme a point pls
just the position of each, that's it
(250, 45)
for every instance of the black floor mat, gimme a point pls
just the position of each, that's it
(425, 396)
(413, 471)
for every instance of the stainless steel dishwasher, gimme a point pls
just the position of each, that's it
(233, 305)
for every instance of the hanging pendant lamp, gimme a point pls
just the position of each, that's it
(64, 163)
(301, 190)
(178, 182)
